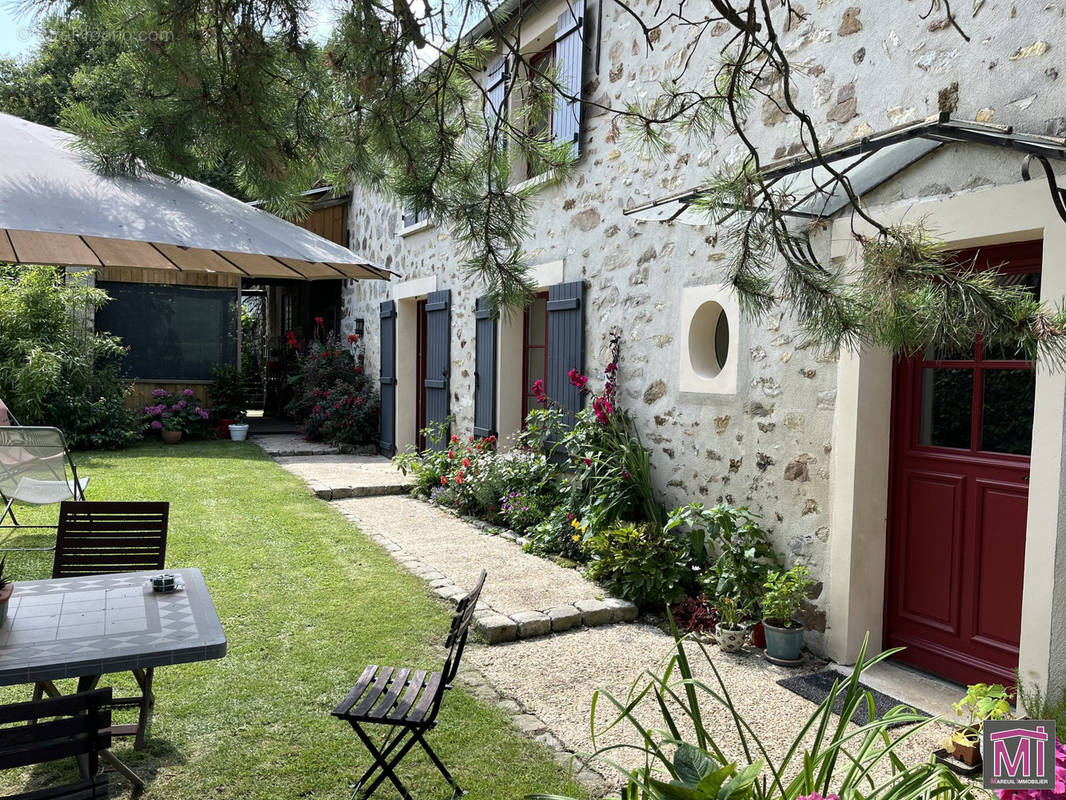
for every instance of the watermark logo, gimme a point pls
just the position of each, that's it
(1018, 754)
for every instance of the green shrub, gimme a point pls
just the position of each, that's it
(555, 535)
(642, 563)
(227, 393)
(54, 369)
(785, 593)
(333, 400)
(731, 549)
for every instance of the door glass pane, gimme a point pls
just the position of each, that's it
(947, 407)
(1007, 412)
(537, 314)
(535, 365)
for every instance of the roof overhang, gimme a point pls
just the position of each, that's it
(814, 192)
(56, 209)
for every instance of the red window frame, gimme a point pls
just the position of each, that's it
(1026, 264)
(529, 400)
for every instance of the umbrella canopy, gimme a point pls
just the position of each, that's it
(55, 209)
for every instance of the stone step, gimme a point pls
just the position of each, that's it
(324, 492)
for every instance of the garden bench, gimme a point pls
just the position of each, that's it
(47, 730)
(408, 700)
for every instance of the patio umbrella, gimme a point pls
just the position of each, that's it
(56, 209)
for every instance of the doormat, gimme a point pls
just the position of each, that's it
(815, 687)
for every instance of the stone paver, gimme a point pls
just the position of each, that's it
(552, 680)
(287, 444)
(336, 477)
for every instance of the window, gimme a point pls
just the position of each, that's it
(540, 104)
(173, 332)
(709, 328)
(534, 349)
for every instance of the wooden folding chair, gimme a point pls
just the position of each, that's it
(98, 538)
(74, 725)
(408, 701)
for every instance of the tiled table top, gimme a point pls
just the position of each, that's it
(69, 627)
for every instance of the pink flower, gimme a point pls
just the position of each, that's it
(156, 424)
(602, 407)
(538, 392)
(577, 379)
(1060, 782)
(588, 462)
(188, 392)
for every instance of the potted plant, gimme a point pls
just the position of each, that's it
(173, 427)
(731, 630)
(6, 588)
(227, 402)
(982, 702)
(785, 593)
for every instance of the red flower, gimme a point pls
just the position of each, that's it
(539, 393)
(454, 438)
(577, 379)
(466, 462)
(358, 370)
(602, 407)
(451, 454)
(443, 480)
(319, 320)
(588, 462)
(459, 476)
(352, 338)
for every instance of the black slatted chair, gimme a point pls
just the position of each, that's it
(74, 725)
(99, 538)
(408, 700)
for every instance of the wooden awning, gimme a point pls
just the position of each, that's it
(55, 209)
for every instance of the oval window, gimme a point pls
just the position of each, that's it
(708, 339)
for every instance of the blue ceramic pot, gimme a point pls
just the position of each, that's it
(784, 644)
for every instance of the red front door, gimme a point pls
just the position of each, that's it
(962, 432)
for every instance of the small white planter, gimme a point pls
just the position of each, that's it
(238, 433)
(730, 640)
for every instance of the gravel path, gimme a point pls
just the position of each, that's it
(517, 581)
(555, 677)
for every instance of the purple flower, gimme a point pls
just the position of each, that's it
(188, 392)
(159, 393)
(156, 425)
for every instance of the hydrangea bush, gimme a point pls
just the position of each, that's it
(333, 400)
(176, 411)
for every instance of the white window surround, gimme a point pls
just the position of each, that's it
(547, 274)
(417, 227)
(416, 287)
(700, 306)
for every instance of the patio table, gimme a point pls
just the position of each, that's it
(88, 626)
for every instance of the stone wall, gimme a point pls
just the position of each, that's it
(867, 66)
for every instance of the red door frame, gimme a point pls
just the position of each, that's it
(527, 399)
(420, 374)
(994, 660)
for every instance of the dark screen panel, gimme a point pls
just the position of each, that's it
(173, 332)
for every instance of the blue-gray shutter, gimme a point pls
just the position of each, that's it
(566, 344)
(387, 336)
(569, 63)
(438, 359)
(496, 92)
(484, 369)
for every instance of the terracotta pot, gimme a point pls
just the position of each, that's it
(5, 595)
(171, 437)
(729, 639)
(969, 754)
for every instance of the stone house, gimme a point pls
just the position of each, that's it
(927, 519)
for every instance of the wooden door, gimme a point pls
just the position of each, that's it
(962, 433)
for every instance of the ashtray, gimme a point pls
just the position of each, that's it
(166, 582)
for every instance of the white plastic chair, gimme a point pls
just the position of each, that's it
(34, 464)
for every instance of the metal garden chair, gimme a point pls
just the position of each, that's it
(408, 700)
(75, 725)
(100, 538)
(34, 464)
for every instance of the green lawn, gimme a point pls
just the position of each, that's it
(306, 601)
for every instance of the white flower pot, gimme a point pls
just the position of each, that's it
(238, 433)
(730, 640)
